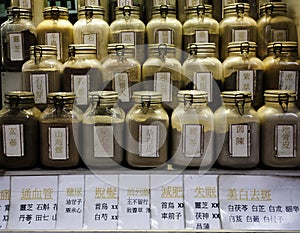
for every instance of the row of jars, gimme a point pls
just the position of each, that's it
(18, 32)
(235, 136)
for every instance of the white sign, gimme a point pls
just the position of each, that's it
(4, 201)
(245, 81)
(103, 141)
(149, 141)
(16, 49)
(204, 82)
(80, 86)
(122, 86)
(13, 143)
(39, 86)
(239, 141)
(163, 84)
(55, 39)
(59, 143)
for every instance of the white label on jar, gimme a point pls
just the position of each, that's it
(203, 82)
(245, 81)
(54, 39)
(279, 35)
(193, 3)
(13, 143)
(149, 141)
(192, 141)
(92, 2)
(125, 3)
(163, 84)
(25, 3)
(228, 2)
(39, 86)
(202, 36)
(16, 50)
(285, 141)
(164, 36)
(239, 141)
(121, 86)
(160, 2)
(59, 143)
(103, 141)
(239, 35)
(80, 86)
(127, 38)
(57, 3)
(288, 80)
(90, 38)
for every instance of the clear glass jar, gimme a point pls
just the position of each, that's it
(243, 71)
(82, 73)
(42, 73)
(192, 127)
(114, 4)
(162, 72)
(129, 29)
(236, 26)
(147, 126)
(103, 130)
(282, 68)
(154, 3)
(19, 131)
(96, 3)
(237, 131)
(200, 27)
(274, 26)
(60, 125)
(280, 130)
(56, 30)
(17, 35)
(254, 6)
(203, 71)
(92, 29)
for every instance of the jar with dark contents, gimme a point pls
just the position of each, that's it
(243, 71)
(237, 132)
(42, 73)
(282, 68)
(129, 29)
(60, 126)
(103, 131)
(192, 127)
(236, 26)
(82, 73)
(280, 130)
(274, 26)
(254, 6)
(147, 126)
(17, 35)
(96, 3)
(56, 30)
(19, 131)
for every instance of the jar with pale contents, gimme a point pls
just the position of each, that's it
(96, 3)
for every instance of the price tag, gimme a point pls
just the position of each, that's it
(4, 201)
(101, 202)
(134, 202)
(33, 202)
(259, 202)
(167, 207)
(201, 202)
(70, 202)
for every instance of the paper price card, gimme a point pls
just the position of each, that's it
(259, 202)
(201, 202)
(101, 202)
(4, 201)
(167, 207)
(134, 204)
(33, 202)
(70, 202)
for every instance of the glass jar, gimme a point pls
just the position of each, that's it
(82, 73)
(56, 30)
(203, 71)
(254, 8)
(200, 27)
(282, 68)
(19, 131)
(96, 3)
(103, 128)
(147, 126)
(42, 73)
(243, 71)
(162, 72)
(236, 26)
(237, 131)
(114, 4)
(280, 125)
(60, 125)
(92, 29)
(274, 26)
(192, 127)
(154, 3)
(129, 29)
(17, 35)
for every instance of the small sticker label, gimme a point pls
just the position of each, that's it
(55, 39)
(239, 141)
(80, 86)
(121, 86)
(279, 35)
(201, 36)
(92, 3)
(59, 143)
(239, 35)
(90, 38)
(125, 3)
(127, 38)
(193, 141)
(164, 37)
(103, 142)
(25, 3)
(285, 141)
(16, 50)
(204, 82)
(13, 143)
(149, 141)
(245, 81)
(288, 80)
(193, 3)
(159, 2)
(39, 86)
(162, 84)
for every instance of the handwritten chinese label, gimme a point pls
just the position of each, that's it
(246, 81)
(80, 86)
(279, 35)
(193, 141)
(239, 140)
(201, 36)
(13, 143)
(90, 38)
(103, 141)
(288, 80)
(149, 141)
(59, 143)
(163, 84)
(285, 141)
(92, 3)
(204, 82)
(55, 39)
(160, 2)
(164, 36)
(122, 86)
(125, 3)
(239, 35)
(4, 201)
(39, 86)
(127, 38)
(25, 3)
(16, 50)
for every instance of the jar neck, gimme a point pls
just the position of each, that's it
(283, 107)
(240, 106)
(43, 57)
(127, 17)
(21, 106)
(17, 18)
(189, 105)
(236, 53)
(83, 56)
(202, 55)
(146, 106)
(88, 18)
(200, 16)
(164, 16)
(234, 13)
(56, 17)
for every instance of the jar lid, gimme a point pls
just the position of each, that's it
(63, 96)
(164, 9)
(19, 95)
(272, 7)
(237, 8)
(282, 46)
(104, 96)
(121, 49)
(200, 48)
(242, 46)
(127, 10)
(205, 9)
(89, 11)
(234, 96)
(192, 96)
(276, 95)
(43, 49)
(82, 49)
(56, 11)
(147, 96)
(19, 10)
